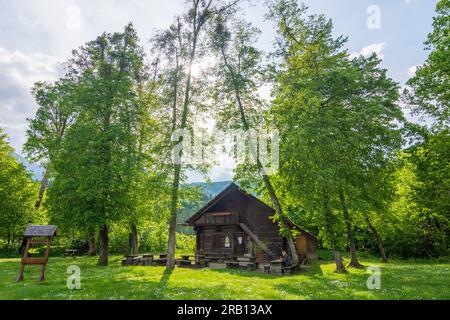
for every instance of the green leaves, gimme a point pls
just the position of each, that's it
(54, 116)
(101, 156)
(428, 92)
(17, 195)
(337, 116)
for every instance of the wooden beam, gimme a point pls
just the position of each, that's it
(255, 238)
(26, 261)
(219, 214)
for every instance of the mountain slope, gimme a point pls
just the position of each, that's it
(34, 168)
(210, 190)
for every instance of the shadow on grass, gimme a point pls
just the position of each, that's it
(154, 290)
(319, 285)
(164, 282)
(309, 270)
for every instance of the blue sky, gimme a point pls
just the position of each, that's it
(35, 35)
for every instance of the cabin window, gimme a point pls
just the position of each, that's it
(240, 240)
(227, 242)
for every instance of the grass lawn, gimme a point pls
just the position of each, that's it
(419, 279)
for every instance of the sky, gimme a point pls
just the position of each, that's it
(35, 35)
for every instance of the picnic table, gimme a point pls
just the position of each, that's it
(276, 267)
(191, 261)
(160, 261)
(192, 256)
(241, 263)
(145, 259)
(71, 252)
(132, 259)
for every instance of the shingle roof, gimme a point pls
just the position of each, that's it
(223, 193)
(40, 231)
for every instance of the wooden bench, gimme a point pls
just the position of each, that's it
(159, 262)
(70, 252)
(191, 263)
(290, 269)
(132, 260)
(246, 259)
(231, 264)
(145, 259)
(214, 257)
(276, 267)
(241, 265)
(250, 266)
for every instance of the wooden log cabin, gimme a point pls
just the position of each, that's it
(236, 223)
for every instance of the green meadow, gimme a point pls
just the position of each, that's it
(412, 279)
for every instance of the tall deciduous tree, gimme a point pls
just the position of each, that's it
(100, 157)
(183, 42)
(338, 119)
(428, 92)
(431, 163)
(240, 69)
(46, 131)
(17, 194)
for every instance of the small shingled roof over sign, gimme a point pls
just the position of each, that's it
(40, 231)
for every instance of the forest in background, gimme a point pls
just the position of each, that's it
(352, 169)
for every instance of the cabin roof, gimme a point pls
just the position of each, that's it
(232, 186)
(40, 231)
(298, 228)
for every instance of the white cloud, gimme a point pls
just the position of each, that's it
(18, 72)
(265, 92)
(37, 34)
(376, 48)
(412, 70)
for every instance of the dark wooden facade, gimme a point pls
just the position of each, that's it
(235, 223)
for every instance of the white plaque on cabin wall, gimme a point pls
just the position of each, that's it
(227, 242)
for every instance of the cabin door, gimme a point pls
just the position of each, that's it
(239, 244)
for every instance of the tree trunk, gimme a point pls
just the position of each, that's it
(283, 219)
(173, 219)
(42, 187)
(92, 245)
(133, 240)
(276, 203)
(199, 20)
(177, 166)
(171, 244)
(351, 241)
(329, 228)
(104, 242)
(377, 238)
